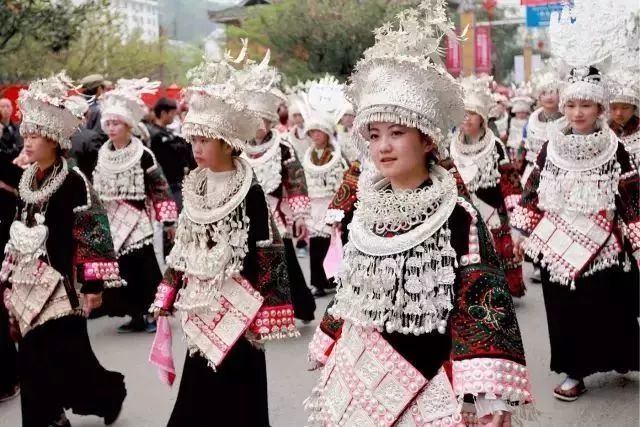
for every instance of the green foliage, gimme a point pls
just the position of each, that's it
(54, 23)
(506, 44)
(311, 37)
(99, 48)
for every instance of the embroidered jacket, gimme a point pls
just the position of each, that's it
(401, 372)
(282, 178)
(70, 232)
(496, 190)
(536, 133)
(574, 244)
(324, 174)
(131, 185)
(345, 198)
(255, 300)
(629, 134)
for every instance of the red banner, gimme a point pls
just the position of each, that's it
(483, 50)
(454, 56)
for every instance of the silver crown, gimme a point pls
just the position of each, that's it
(48, 110)
(260, 82)
(522, 99)
(477, 95)
(217, 105)
(322, 104)
(400, 78)
(625, 86)
(548, 77)
(125, 102)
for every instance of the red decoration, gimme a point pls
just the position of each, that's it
(483, 49)
(454, 56)
(489, 5)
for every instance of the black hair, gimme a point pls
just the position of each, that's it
(164, 104)
(89, 92)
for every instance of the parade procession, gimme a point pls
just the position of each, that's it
(331, 213)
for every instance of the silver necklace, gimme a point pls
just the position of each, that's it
(50, 186)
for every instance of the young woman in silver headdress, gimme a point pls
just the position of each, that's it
(422, 285)
(226, 279)
(489, 176)
(324, 166)
(580, 212)
(546, 85)
(280, 174)
(520, 108)
(624, 108)
(58, 260)
(131, 185)
(582, 190)
(340, 212)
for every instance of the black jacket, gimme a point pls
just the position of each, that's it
(173, 154)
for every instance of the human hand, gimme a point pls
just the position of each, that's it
(91, 302)
(171, 232)
(497, 419)
(300, 229)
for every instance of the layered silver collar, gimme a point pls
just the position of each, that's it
(538, 132)
(581, 173)
(267, 163)
(116, 160)
(50, 186)
(411, 215)
(205, 207)
(476, 162)
(582, 152)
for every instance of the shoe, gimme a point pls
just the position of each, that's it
(535, 277)
(569, 394)
(151, 326)
(134, 325)
(302, 252)
(15, 391)
(113, 416)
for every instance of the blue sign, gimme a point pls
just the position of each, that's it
(539, 16)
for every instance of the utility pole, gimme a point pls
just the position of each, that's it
(467, 20)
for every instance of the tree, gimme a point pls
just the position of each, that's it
(312, 37)
(100, 48)
(54, 23)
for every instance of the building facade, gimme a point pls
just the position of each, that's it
(141, 16)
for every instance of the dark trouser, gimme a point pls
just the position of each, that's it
(58, 370)
(176, 194)
(234, 395)
(8, 355)
(139, 268)
(593, 328)
(318, 248)
(304, 305)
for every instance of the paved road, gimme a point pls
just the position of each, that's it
(612, 400)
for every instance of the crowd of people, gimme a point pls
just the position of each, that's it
(433, 190)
